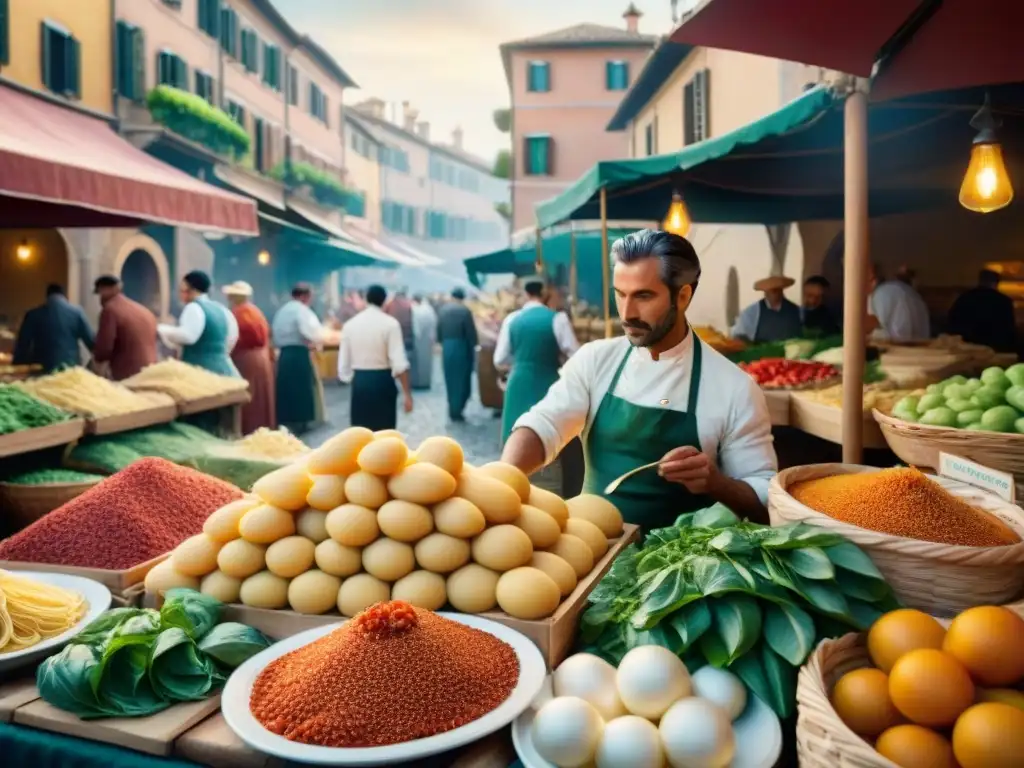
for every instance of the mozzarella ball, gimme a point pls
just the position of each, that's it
(592, 679)
(592, 536)
(264, 590)
(219, 585)
(388, 560)
(222, 525)
(695, 732)
(721, 687)
(459, 518)
(352, 525)
(528, 593)
(328, 492)
(290, 556)
(404, 521)
(266, 524)
(559, 570)
(630, 742)
(337, 559)
(313, 592)
(360, 592)
(575, 552)
(473, 589)
(422, 589)
(241, 558)
(312, 524)
(541, 527)
(383, 456)
(439, 553)
(599, 511)
(443, 452)
(163, 576)
(566, 732)
(502, 548)
(366, 490)
(651, 679)
(196, 556)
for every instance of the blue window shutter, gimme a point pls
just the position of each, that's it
(624, 73)
(545, 70)
(609, 75)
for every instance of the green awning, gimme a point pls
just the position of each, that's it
(788, 166)
(305, 244)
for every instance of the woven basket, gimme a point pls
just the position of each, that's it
(940, 579)
(822, 739)
(920, 444)
(22, 505)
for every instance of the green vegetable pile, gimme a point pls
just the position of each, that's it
(19, 410)
(177, 442)
(733, 594)
(133, 662)
(52, 476)
(992, 403)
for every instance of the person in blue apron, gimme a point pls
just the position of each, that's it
(773, 318)
(371, 357)
(297, 332)
(656, 395)
(206, 331)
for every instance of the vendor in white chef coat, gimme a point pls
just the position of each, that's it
(657, 395)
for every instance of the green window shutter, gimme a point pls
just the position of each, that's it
(73, 67)
(609, 75)
(46, 56)
(138, 64)
(202, 12)
(180, 73)
(5, 33)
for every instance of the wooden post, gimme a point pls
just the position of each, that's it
(573, 269)
(605, 266)
(855, 270)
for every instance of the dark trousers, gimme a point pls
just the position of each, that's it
(374, 400)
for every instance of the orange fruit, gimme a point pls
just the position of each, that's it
(930, 687)
(898, 632)
(989, 641)
(990, 735)
(861, 699)
(913, 746)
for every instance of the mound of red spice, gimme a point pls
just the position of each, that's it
(385, 678)
(142, 512)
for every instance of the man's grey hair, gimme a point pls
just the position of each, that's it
(676, 256)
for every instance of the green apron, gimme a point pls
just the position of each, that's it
(210, 350)
(536, 360)
(624, 436)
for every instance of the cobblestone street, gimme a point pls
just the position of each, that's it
(479, 435)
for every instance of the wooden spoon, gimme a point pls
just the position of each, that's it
(614, 484)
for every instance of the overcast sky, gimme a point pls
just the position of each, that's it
(442, 55)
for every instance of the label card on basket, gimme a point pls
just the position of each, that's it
(972, 473)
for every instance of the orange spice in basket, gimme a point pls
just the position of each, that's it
(902, 502)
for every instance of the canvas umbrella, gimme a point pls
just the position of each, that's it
(890, 48)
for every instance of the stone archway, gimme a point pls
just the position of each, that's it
(142, 266)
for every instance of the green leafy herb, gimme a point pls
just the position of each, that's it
(736, 595)
(232, 643)
(190, 611)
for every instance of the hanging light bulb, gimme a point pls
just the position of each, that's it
(23, 251)
(678, 220)
(263, 257)
(986, 186)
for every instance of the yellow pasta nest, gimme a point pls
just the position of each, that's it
(184, 381)
(31, 611)
(83, 392)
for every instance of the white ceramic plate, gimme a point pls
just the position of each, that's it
(96, 595)
(235, 705)
(758, 737)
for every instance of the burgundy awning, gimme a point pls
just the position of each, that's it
(958, 43)
(65, 160)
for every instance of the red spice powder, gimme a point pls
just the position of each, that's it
(145, 510)
(385, 679)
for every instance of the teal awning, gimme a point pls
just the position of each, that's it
(788, 166)
(306, 244)
(557, 251)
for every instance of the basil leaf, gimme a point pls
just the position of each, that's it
(713, 576)
(178, 671)
(799, 536)
(750, 670)
(779, 571)
(100, 629)
(861, 587)
(125, 685)
(231, 643)
(850, 557)
(863, 614)
(731, 541)
(825, 597)
(691, 622)
(673, 593)
(190, 611)
(811, 563)
(715, 516)
(65, 680)
(790, 632)
(781, 679)
(737, 619)
(685, 520)
(713, 648)
(592, 623)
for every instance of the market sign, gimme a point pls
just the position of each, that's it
(972, 473)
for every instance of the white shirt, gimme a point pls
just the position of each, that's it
(562, 327)
(901, 312)
(191, 325)
(732, 416)
(371, 341)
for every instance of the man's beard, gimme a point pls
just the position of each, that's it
(654, 333)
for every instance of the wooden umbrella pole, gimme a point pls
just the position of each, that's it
(540, 252)
(855, 270)
(573, 269)
(605, 265)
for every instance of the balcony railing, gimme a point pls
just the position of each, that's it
(323, 186)
(199, 121)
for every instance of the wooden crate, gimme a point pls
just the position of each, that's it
(202, 404)
(154, 735)
(553, 635)
(826, 422)
(108, 425)
(28, 440)
(119, 583)
(778, 407)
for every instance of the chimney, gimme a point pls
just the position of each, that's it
(457, 135)
(372, 107)
(423, 130)
(409, 116)
(632, 17)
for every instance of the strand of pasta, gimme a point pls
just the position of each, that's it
(31, 612)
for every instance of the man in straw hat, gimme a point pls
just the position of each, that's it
(659, 396)
(253, 358)
(126, 338)
(773, 318)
